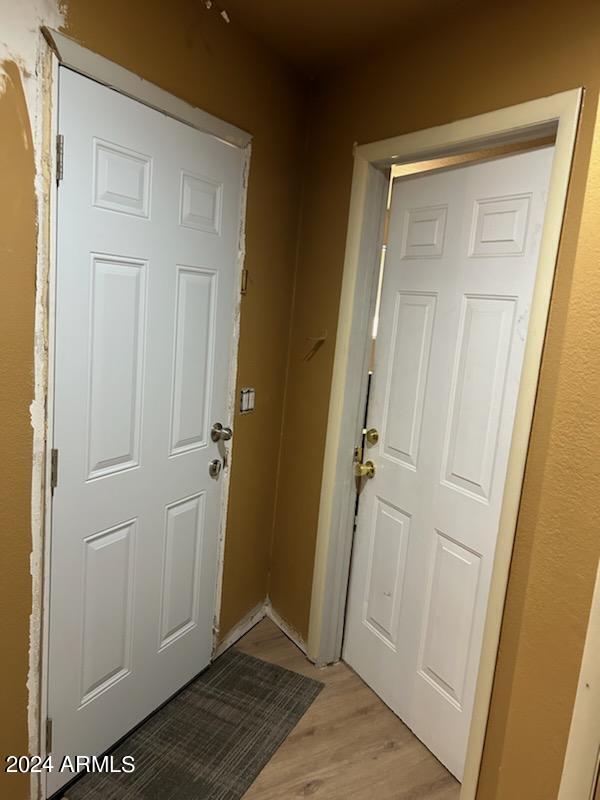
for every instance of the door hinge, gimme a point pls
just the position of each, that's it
(60, 157)
(53, 469)
(244, 282)
(48, 736)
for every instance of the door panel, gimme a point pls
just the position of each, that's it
(121, 179)
(194, 349)
(459, 275)
(147, 243)
(449, 616)
(477, 392)
(184, 523)
(409, 365)
(116, 361)
(107, 616)
(386, 573)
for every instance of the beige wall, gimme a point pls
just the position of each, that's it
(220, 69)
(488, 60)
(17, 265)
(196, 56)
(499, 55)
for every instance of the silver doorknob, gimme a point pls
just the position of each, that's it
(220, 434)
(214, 468)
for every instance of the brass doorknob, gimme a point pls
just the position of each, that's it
(366, 470)
(372, 436)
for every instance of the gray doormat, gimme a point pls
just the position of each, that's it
(211, 741)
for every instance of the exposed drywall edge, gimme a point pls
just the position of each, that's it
(288, 630)
(232, 387)
(241, 629)
(23, 43)
(39, 405)
(38, 408)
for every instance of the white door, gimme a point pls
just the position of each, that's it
(148, 218)
(457, 289)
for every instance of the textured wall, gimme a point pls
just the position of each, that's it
(17, 265)
(503, 53)
(490, 59)
(220, 69)
(195, 55)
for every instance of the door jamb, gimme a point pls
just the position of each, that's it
(557, 113)
(64, 51)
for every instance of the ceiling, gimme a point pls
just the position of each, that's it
(316, 34)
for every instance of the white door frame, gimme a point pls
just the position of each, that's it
(65, 52)
(557, 114)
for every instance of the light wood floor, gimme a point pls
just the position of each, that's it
(348, 745)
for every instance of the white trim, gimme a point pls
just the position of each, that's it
(251, 619)
(73, 55)
(558, 113)
(346, 406)
(284, 627)
(583, 748)
(258, 613)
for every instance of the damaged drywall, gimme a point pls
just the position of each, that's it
(25, 73)
(242, 82)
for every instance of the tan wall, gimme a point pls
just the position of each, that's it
(498, 59)
(218, 68)
(500, 55)
(195, 55)
(17, 265)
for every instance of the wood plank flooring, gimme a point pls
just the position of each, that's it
(349, 745)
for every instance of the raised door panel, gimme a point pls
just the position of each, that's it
(184, 525)
(389, 543)
(500, 226)
(201, 203)
(424, 232)
(116, 364)
(477, 394)
(408, 368)
(194, 348)
(449, 618)
(122, 179)
(108, 578)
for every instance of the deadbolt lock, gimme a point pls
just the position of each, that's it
(214, 468)
(366, 470)
(372, 436)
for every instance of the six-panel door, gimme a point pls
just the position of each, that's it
(457, 288)
(148, 220)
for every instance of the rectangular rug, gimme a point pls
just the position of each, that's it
(211, 741)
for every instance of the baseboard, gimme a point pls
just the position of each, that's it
(241, 629)
(260, 611)
(284, 626)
